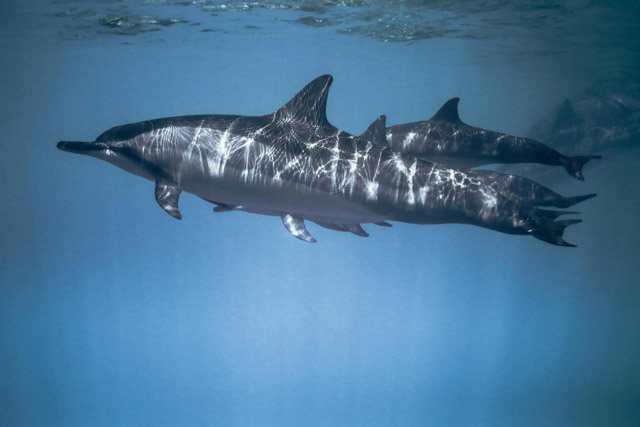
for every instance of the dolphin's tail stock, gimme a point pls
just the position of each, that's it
(543, 225)
(574, 165)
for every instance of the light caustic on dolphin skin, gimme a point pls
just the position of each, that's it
(294, 164)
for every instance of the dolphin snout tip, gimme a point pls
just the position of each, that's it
(81, 146)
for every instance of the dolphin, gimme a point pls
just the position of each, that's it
(294, 164)
(603, 117)
(515, 186)
(445, 138)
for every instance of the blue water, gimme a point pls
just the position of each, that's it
(112, 313)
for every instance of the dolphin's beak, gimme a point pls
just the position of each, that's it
(81, 147)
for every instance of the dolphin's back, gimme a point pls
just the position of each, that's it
(131, 130)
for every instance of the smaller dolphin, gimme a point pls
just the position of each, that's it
(446, 139)
(600, 118)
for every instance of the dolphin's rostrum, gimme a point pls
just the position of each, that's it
(294, 164)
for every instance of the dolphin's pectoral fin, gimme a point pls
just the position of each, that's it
(356, 229)
(296, 226)
(167, 195)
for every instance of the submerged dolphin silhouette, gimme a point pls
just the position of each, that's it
(294, 164)
(603, 117)
(445, 138)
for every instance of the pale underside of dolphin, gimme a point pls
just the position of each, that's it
(446, 139)
(294, 164)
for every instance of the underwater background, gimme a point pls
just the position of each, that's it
(114, 314)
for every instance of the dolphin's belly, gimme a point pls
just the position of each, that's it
(283, 198)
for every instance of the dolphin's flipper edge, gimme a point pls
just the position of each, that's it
(295, 226)
(167, 195)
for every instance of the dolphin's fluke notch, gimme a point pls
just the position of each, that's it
(574, 165)
(295, 225)
(167, 195)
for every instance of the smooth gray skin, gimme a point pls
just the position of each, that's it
(446, 139)
(294, 164)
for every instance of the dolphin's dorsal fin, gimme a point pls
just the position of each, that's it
(448, 112)
(376, 132)
(310, 104)
(566, 117)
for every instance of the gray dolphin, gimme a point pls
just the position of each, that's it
(294, 164)
(445, 138)
(602, 117)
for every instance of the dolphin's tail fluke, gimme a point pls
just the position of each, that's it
(574, 165)
(565, 202)
(545, 228)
